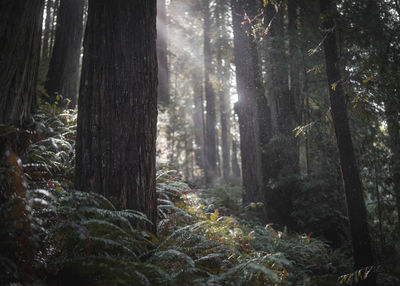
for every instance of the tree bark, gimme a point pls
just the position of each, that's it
(117, 112)
(20, 32)
(162, 53)
(246, 107)
(63, 75)
(211, 118)
(362, 251)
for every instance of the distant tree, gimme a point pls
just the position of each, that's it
(53, 25)
(63, 74)
(235, 161)
(20, 31)
(246, 107)
(357, 214)
(211, 117)
(280, 148)
(162, 53)
(223, 70)
(47, 30)
(117, 112)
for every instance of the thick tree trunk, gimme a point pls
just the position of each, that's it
(246, 107)
(362, 251)
(277, 72)
(63, 75)
(211, 118)
(282, 151)
(118, 105)
(162, 53)
(20, 32)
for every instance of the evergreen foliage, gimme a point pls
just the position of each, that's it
(81, 238)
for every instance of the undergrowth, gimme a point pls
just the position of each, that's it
(52, 234)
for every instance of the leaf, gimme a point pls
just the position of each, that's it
(267, 272)
(367, 80)
(214, 216)
(172, 255)
(334, 85)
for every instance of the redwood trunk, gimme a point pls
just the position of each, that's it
(63, 75)
(211, 142)
(224, 102)
(118, 105)
(47, 30)
(246, 107)
(20, 32)
(362, 251)
(235, 161)
(162, 53)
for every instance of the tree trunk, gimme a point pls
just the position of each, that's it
(235, 161)
(294, 87)
(223, 78)
(20, 32)
(56, 5)
(283, 150)
(47, 30)
(392, 109)
(277, 73)
(362, 251)
(162, 53)
(246, 107)
(198, 120)
(118, 105)
(63, 75)
(211, 143)
(388, 71)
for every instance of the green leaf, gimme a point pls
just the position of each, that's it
(367, 80)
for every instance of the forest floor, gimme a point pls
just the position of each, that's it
(204, 236)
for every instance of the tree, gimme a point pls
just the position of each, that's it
(211, 145)
(162, 53)
(279, 144)
(223, 70)
(117, 112)
(357, 214)
(246, 107)
(47, 30)
(20, 30)
(63, 75)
